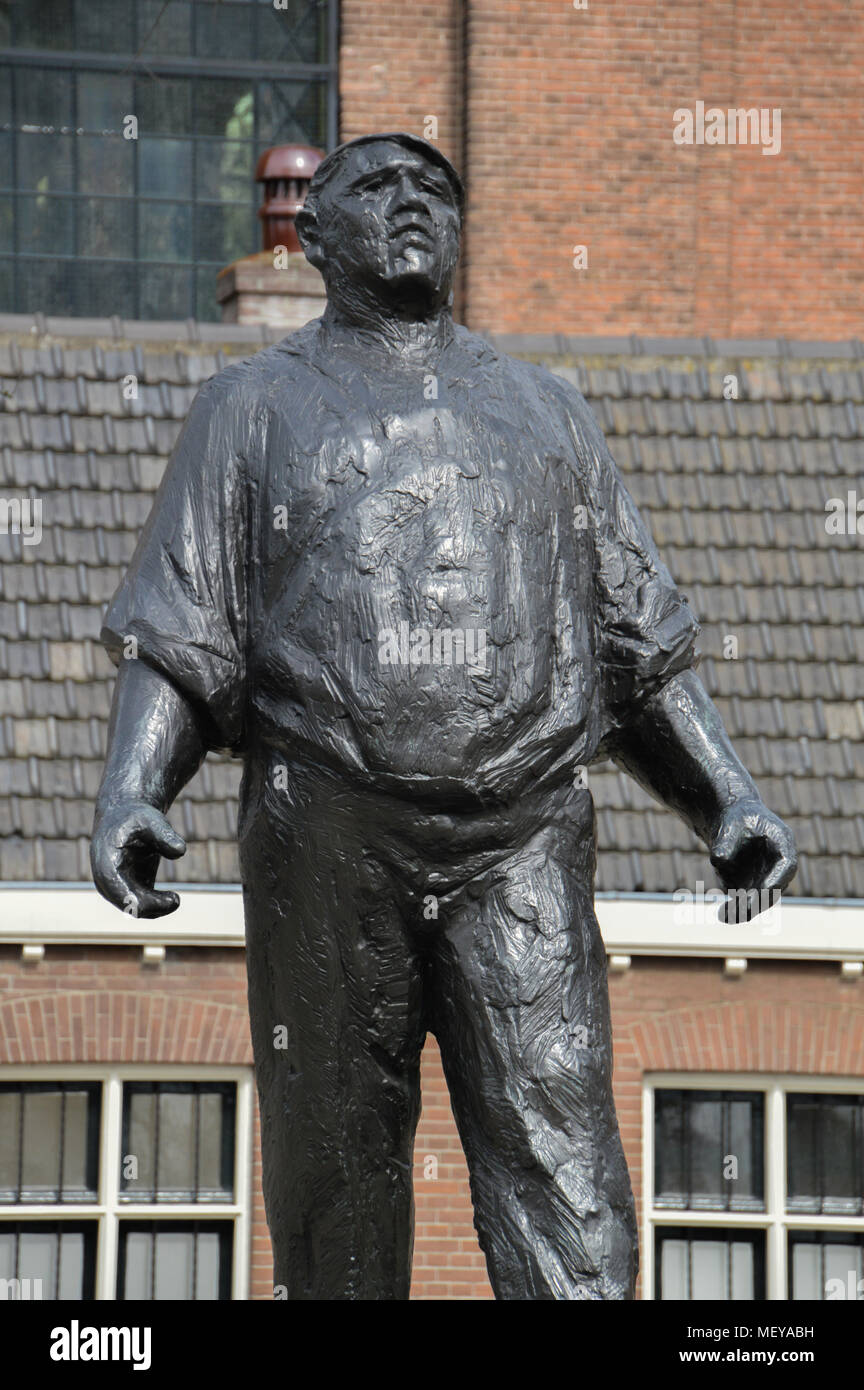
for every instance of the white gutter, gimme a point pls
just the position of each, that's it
(33, 915)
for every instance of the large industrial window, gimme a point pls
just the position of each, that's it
(129, 134)
(124, 1185)
(754, 1189)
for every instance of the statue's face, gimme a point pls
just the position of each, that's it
(389, 218)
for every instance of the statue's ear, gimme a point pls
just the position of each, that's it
(306, 225)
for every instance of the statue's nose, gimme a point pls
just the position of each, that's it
(408, 195)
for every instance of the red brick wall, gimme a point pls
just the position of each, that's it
(102, 1005)
(567, 118)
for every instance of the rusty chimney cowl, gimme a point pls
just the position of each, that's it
(285, 171)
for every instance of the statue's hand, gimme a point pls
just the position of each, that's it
(128, 839)
(753, 849)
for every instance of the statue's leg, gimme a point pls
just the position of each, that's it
(334, 1001)
(520, 1008)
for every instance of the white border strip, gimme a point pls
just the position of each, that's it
(631, 926)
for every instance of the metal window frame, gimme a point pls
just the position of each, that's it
(692, 1234)
(109, 1210)
(76, 61)
(23, 1088)
(775, 1220)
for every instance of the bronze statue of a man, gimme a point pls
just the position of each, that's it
(397, 572)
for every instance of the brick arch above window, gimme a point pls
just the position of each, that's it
(745, 1036)
(125, 1026)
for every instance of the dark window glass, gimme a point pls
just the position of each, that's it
(49, 1142)
(826, 1265)
(825, 1154)
(717, 1264)
(48, 1260)
(708, 1150)
(178, 1142)
(73, 74)
(188, 1261)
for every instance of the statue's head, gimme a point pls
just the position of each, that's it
(384, 213)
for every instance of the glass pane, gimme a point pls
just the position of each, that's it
(104, 26)
(5, 159)
(138, 1271)
(673, 1269)
(706, 1145)
(46, 224)
(76, 1180)
(7, 1254)
(10, 1117)
(7, 224)
(103, 288)
(175, 1254)
(742, 1272)
(165, 166)
(224, 28)
(104, 100)
(37, 1259)
(207, 1271)
(806, 1272)
(140, 1139)
(106, 228)
(224, 171)
(292, 113)
(210, 1145)
(176, 1144)
(165, 293)
(71, 1266)
(843, 1262)
(297, 33)
(43, 24)
(206, 303)
(106, 164)
(163, 105)
(44, 97)
(46, 163)
(165, 231)
(165, 28)
(222, 234)
(225, 107)
(745, 1145)
(670, 1181)
(40, 1168)
(708, 1261)
(803, 1160)
(842, 1185)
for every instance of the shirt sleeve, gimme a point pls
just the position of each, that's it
(646, 632)
(183, 598)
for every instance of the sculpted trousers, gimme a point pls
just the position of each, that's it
(506, 968)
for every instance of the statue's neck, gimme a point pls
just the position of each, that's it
(403, 337)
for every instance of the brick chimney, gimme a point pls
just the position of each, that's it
(277, 286)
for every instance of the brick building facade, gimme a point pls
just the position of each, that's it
(561, 120)
(717, 258)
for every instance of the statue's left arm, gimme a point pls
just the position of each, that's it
(677, 748)
(659, 722)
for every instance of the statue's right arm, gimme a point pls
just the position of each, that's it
(155, 745)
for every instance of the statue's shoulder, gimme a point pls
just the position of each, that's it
(530, 379)
(247, 381)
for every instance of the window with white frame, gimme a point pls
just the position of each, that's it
(754, 1188)
(128, 1183)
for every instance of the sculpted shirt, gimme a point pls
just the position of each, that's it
(433, 581)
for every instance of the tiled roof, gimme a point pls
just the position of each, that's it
(735, 491)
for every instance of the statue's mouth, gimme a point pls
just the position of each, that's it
(415, 229)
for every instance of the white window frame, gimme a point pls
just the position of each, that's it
(774, 1220)
(108, 1211)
